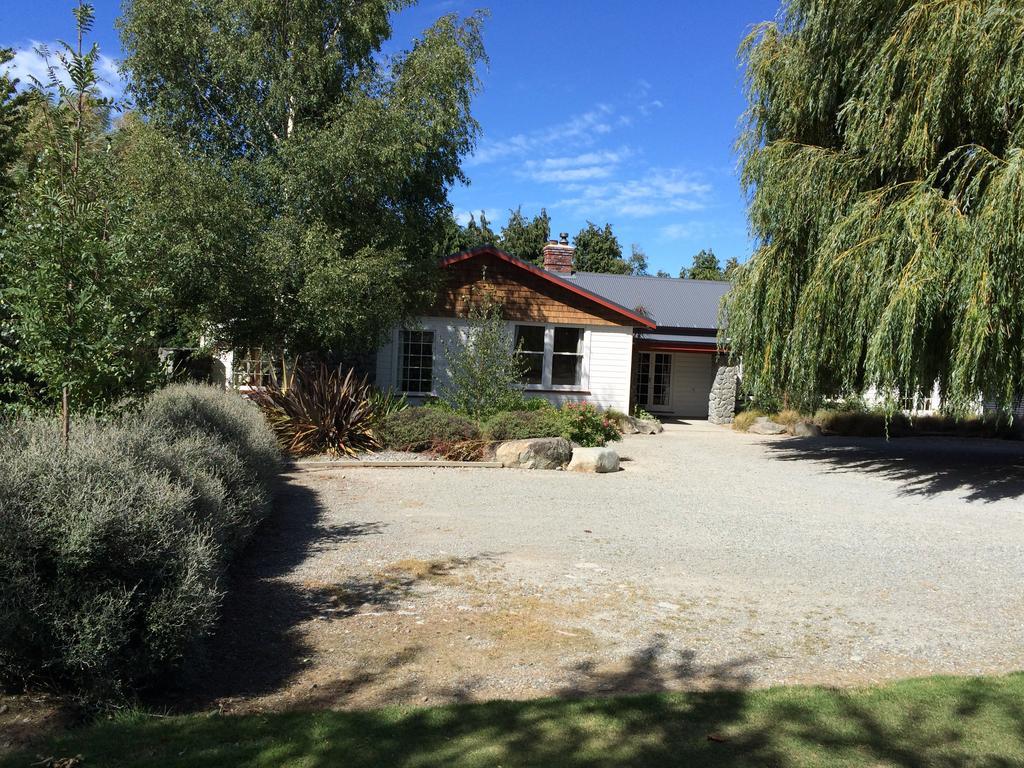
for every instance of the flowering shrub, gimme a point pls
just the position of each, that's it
(588, 425)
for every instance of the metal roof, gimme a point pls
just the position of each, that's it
(671, 302)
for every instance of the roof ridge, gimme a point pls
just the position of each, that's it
(688, 281)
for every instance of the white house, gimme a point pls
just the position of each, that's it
(612, 340)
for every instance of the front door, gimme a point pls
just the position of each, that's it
(652, 382)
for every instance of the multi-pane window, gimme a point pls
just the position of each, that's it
(653, 379)
(417, 361)
(567, 357)
(530, 343)
(552, 356)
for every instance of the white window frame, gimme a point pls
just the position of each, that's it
(549, 352)
(399, 362)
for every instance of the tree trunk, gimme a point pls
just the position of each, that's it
(65, 417)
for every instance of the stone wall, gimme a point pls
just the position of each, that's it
(722, 401)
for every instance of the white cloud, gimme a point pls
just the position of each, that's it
(657, 192)
(495, 216)
(580, 130)
(582, 167)
(29, 63)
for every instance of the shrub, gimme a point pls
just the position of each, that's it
(618, 418)
(484, 368)
(420, 429)
(223, 416)
(319, 410)
(744, 420)
(788, 418)
(111, 551)
(384, 403)
(588, 425)
(862, 423)
(537, 404)
(519, 425)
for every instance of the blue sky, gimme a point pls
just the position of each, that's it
(607, 110)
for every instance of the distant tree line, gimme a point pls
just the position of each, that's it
(597, 248)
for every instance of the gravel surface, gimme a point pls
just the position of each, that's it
(714, 558)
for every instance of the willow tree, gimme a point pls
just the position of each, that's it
(883, 157)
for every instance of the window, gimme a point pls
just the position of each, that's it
(567, 357)
(553, 357)
(417, 361)
(530, 343)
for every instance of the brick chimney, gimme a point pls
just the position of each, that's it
(558, 255)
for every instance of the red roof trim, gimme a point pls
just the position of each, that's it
(637, 319)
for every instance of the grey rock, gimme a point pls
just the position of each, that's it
(765, 426)
(594, 460)
(535, 453)
(806, 429)
(722, 400)
(645, 426)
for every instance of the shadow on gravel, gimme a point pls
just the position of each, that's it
(256, 649)
(988, 470)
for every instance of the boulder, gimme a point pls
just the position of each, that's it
(535, 453)
(765, 426)
(806, 429)
(645, 426)
(594, 460)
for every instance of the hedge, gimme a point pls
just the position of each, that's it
(421, 429)
(111, 552)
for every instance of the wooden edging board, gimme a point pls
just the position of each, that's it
(314, 465)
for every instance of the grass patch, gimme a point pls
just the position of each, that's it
(744, 420)
(941, 721)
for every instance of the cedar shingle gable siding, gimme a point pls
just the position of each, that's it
(525, 297)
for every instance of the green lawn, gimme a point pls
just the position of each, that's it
(940, 722)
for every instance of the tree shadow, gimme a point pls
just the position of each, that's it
(986, 470)
(256, 647)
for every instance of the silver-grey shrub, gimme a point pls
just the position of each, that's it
(111, 552)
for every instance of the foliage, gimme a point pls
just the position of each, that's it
(598, 250)
(744, 420)
(662, 273)
(112, 549)
(732, 264)
(640, 413)
(519, 425)
(885, 166)
(319, 410)
(588, 425)
(79, 306)
(339, 156)
(12, 123)
(637, 260)
(420, 429)
(478, 234)
(705, 267)
(484, 368)
(526, 238)
(862, 423)
(386, 402)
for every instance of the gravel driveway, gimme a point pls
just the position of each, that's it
(713, 559)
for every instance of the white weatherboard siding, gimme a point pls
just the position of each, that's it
(607, 361)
